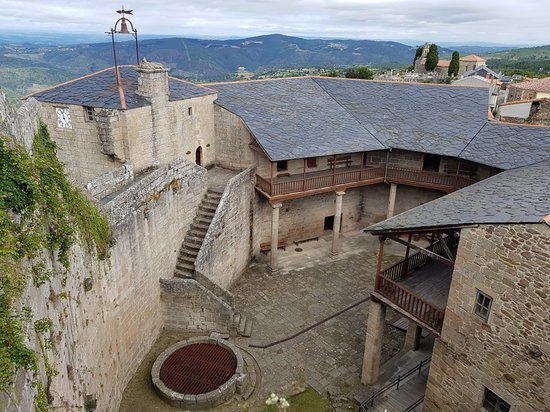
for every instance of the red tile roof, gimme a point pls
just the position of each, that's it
(537, 85)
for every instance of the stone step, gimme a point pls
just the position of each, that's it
(185, 266)
(204, 213)
(188, 255)
(184, 273)
(215, 191)
(208, 208)
(247, 328)
(197, 233)
(191, 242)
(212, 203)
(204, 220)
(199, 227)
(236, 318)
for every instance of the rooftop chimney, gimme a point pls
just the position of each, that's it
(153, 82)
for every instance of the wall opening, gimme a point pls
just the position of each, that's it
(198, 156)
(431, 163)
(329, 223)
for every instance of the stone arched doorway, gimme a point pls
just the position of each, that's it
(198, 156)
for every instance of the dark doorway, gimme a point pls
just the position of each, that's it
(431, 163)
(198, 156)
(329, 223)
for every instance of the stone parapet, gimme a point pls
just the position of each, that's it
(110, 182)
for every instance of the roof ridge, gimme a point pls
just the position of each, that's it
(472, 139)
(348, 112)
(191, 83)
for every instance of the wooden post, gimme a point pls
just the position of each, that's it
(304, 176)
(406, 263)
(381, 239)
(362, 166)
(333, 169)
(271, 179)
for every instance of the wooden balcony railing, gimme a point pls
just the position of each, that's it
(411, 303)
(319, 180)
(415, 261)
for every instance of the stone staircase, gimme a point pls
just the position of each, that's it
(185, 266)
(242, 324)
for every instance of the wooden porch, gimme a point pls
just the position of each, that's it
(418, 286)
(306, 184)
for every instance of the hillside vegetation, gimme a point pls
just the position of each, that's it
(531, 60)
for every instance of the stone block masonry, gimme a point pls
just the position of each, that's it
(225, 251)
(509, 353)
(111, 181)
(189, 306)
(107, 314)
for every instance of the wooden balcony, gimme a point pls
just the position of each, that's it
(418, 287)
(307, 184)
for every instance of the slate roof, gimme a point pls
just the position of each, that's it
(99, 90)
(316, 116)
(483, 69)
(508, 146)
(515, 196)
(295, 118)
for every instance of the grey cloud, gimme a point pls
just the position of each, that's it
(435, 20)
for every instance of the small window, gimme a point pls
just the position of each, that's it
(89, 113)
(493, 403)
(282, 165)
(189, 111)
(311, 162)
(483, 305)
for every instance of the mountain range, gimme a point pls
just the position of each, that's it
(27, 66)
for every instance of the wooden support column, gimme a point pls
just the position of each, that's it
(381, 239)
(406, 264)
(337, 222)
(274, 235)
(304, 176)
(391, 200)
(333, 169)
(271, 179)
(373, 343)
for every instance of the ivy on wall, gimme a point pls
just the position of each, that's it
(39, 209)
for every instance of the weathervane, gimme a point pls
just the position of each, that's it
(123, 30)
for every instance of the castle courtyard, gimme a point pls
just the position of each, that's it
(309, 323)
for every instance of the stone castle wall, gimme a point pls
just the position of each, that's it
(232, 141)
(510, 352)
(107, 314)
(225, 251)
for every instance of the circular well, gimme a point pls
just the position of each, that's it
(198, 373)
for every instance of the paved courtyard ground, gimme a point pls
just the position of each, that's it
(309, 322)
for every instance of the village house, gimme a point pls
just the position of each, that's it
(529, 89)
(314, 156)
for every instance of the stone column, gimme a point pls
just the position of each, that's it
(412, 339)
(274, 235)
(391, 200)
(337, 222)
(373, 343)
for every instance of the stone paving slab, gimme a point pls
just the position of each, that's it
(328, 357)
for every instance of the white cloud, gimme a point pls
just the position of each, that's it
(434, 20)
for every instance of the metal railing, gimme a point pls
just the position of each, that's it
(395, 383)
(414, 405)
(316, 180)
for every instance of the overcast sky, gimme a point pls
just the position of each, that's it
(503, 21)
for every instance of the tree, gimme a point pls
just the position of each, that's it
(454, 65)
(362, 72)
(418, 54)
(330, 73)
(432, 58)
